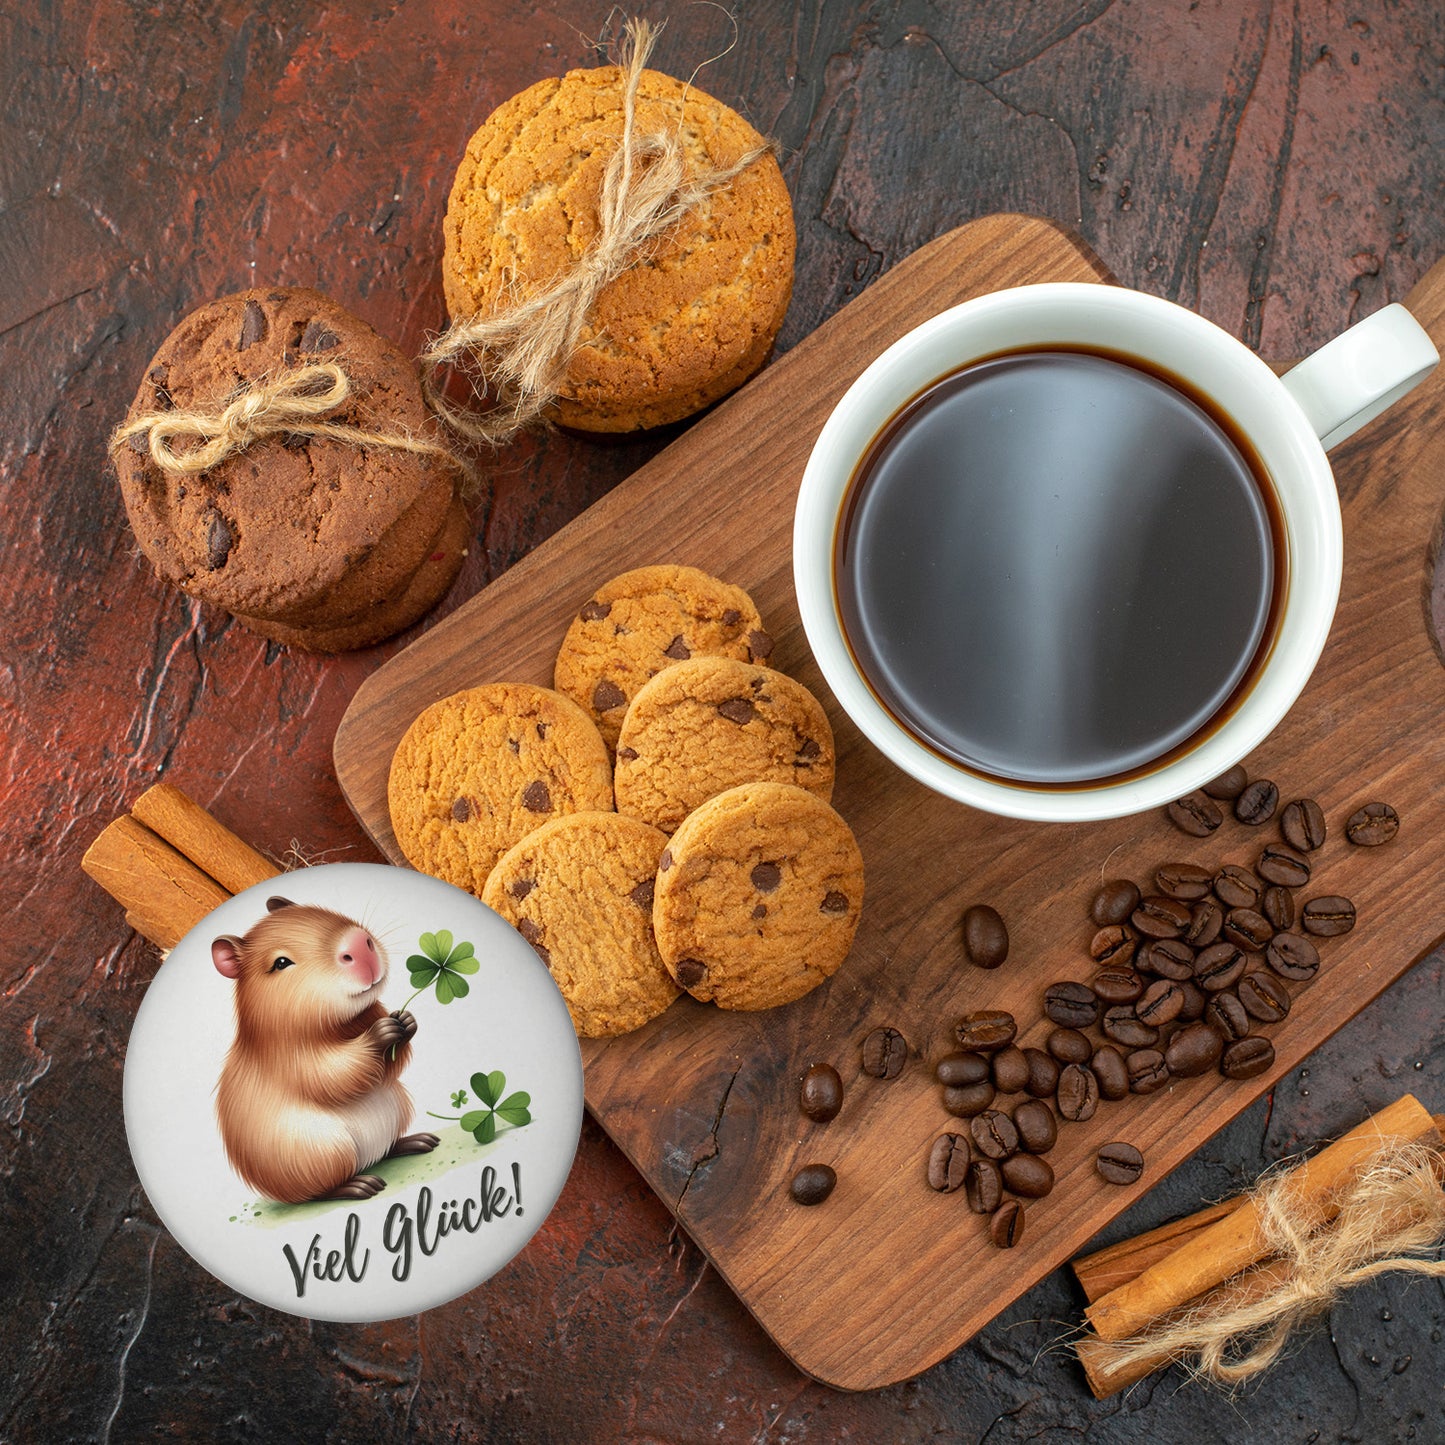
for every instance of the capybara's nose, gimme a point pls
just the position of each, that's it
(357, 955)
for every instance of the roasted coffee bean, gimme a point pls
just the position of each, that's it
(1281, 864)
(821, 1095)
(1248, 929)
(1147, 1071)
(1109, 1069)
(1185, 881)
(957, 1069)
(1006, 1228)
(1303, 824)
(1113, 945)
(813, 1183)
(985, 938)
(1122, 1025)
(986, 1030)
(1196, 814)
(1227, 1017)
(1206, 918)
(1114, 902)
(1043, 1073)
(1246, 1057)
(1372, 825)
(1027, 1175)
(1264, 997)
(1160, 1004)
(1160, 917)
(1256, 804)
(1219, 966)
(1036, 1126)
(1229, 784)
(1193, 1050)
(1073, 1005)
(1119, 1163)
(885, 1051)
(983, 1186)
(947, 1163)
(1293, 956)
(1167, 958)
(1195, 1000)
(1116, 985)
(1010, 1070)
(1078, 1094)
(1237, 887)
(964, 1101)
(994, 1135)
(1069, 1046)
(1328, 917)
(1278, 906)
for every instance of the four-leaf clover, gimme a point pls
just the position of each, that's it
(459, 1098)
(441, 964)
(481, 1124)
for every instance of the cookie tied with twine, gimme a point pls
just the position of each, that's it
(618, 254)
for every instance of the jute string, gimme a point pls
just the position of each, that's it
(1392, 1212)
(293, 403)
(521, 350)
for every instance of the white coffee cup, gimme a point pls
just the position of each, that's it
(1288, 421)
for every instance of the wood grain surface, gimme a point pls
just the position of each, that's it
(1278, 166)
(720, 1136)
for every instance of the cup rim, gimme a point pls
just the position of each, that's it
(1201, 354)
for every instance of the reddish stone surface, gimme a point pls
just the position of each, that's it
(1279, 166)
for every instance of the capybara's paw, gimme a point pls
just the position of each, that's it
(414, 1144)
(407, 1020)
(359, 1186)
(387, 1033)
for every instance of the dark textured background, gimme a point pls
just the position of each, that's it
(1278, 166)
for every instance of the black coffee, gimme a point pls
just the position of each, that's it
(1055, 567)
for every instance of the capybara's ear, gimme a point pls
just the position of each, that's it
(272, 904)
(226, 955)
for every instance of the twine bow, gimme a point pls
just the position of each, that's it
(522, 350)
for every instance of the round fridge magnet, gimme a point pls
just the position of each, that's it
(353, 1092)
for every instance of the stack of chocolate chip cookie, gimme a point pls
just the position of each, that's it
(709, 858)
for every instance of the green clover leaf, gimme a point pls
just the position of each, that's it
(459, 1098)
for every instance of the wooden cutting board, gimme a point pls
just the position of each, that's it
(888, 1277)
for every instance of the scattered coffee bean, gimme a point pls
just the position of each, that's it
(1194, 1003)
(1114, 902)
(947, 1163)
(1069, 1046)
(1248, 929)
(1147, 1071)
(1043, 1073)
(1196, 814)
(1293, 956)
(1160, 1004)
(1229, 784)
(1256, 804)
(1219, 966)
(813, 1183)
(1206, 918)
(1010, 1070)
(1328, 917)
(986, 1030)
(1278, 906)
(1281, 864)
(1006, 1228)
(1264, 997)
(1372, 825)
(1114, 945)
(994, 1135)
(985, 938)
(1193, 1050)
(955, 1069)
(1078, 1094)
(1303, 824)
(983, 1186)
(821, 1095)
(1160, 917)
(1072, 1005)
(1036, 1126)
(1027, 1175)
(1123, 1026)
(1245, 1058)
(1167, 958)
(964, 1101)
(1237, 887)
(1186, 882)
(1227, 1016)
(885, 1051)
(1117, 985)
(1110, 1070)
(1119, 1163)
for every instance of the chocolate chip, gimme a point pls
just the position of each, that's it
(159, 375)
(318, 337)
(731, 617)
(665, 861)
(533, 935)
(809, 749)
(139, 442)
(536, 798)
(626, 755)
(253, 326)
(761, 911)
(594, 611)
(219, 541)
(607, 695)
(760, 645)
(690, 972)
(642, 894)
(514, 746)
(542, 730)
(738, 710)
(462, 810)
(521, 888)
(834, 902)
(677, 649)
(766, 877)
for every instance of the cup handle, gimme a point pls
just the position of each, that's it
(1349, 381)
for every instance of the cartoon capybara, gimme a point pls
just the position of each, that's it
(311, 1092)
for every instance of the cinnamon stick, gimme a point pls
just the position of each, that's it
(1107, 1269)
(192, 831)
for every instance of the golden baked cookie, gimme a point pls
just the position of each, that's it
(708, 724)
(681, 327)
(579, 890)
(758, 896)
(479, 770)
(637, 624)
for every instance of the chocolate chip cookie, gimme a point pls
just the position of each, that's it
(579, 890)
(758, 896)
(711, 723)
